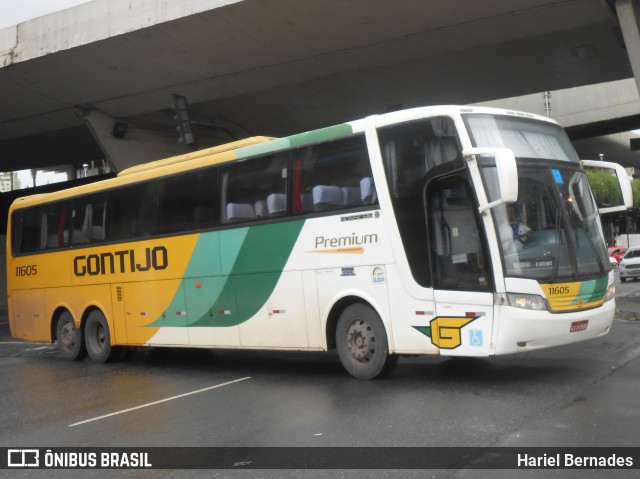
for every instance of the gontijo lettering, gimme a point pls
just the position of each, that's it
(124, 261)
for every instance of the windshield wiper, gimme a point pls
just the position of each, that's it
(556, 256)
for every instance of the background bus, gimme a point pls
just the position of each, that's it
(380, 237)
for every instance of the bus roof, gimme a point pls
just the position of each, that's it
(254, 140)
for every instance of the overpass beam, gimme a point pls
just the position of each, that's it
(126, 145)
(629, 17)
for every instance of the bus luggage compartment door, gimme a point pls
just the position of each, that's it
(29, 319)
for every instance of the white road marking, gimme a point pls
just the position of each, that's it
(159, 402)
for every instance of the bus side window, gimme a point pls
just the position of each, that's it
(131, 211)
(54, 225)
(333, 175)
(25, 225)
(89, 219)
(254, 190)
(409, 151)
(188, 202)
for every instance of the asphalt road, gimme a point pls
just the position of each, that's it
(628, 298)
(585, 394)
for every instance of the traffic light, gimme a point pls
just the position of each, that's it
(184, 127)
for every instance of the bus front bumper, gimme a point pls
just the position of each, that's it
(521, 330)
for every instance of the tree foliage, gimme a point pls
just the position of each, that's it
(606, 189)
(635, 187)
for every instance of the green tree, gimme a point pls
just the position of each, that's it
(606, 190)
(635, 187)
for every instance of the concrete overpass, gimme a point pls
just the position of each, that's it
(277, 67)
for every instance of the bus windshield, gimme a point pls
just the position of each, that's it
(527, 138)
(552, 232)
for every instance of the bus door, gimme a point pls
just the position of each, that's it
(460, 268)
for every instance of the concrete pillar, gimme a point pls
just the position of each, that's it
(132, 147)
(629, 17)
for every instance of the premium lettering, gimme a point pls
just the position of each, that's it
(354, 239)
(119, 262)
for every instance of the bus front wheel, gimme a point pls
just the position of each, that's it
(97, 338)
(362, 344)
(69, 338)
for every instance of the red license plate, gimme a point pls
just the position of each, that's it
(579, 326)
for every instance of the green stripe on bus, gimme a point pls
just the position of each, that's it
(593, 290)
(255, 274)
(231, 298)
(293, 141)
(322, 134)
(262, 148)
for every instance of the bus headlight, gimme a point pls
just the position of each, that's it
(521, 300)
(611, 292)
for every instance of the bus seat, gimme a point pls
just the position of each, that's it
(368, 193)
(277, 204)
(43, 231)
(261, 208)
(86, 224)
(97, 233)
(52, 242)
(76, 236)
(350, 195)
(240, 212)
(326, 197)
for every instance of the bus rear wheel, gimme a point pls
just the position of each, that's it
(362, 344)
(97, 338)
(69, 338)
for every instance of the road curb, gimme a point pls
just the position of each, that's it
(628, 315)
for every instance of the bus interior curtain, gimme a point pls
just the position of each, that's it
(389, 154)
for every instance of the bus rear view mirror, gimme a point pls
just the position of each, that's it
(507, 174)
(619, 194)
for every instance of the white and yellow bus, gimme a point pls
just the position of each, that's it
(457, 231)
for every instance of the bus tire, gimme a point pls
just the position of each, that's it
(97, 338)
(361, 340)
(69, 338)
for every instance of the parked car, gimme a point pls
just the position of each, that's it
(630, 264)
(617, 252)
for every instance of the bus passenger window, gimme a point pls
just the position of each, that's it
(333, 175)
(25, 226)
(187, 202)
(54, 226)
(409, 151)
(132, 211)
(254, 189)
(89, 220)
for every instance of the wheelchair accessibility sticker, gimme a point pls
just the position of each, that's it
(475, 337)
